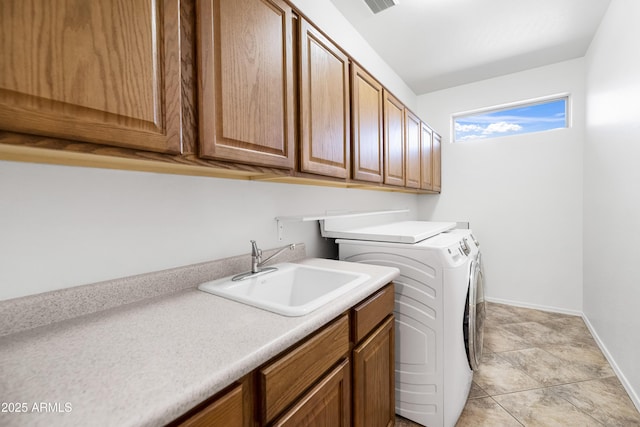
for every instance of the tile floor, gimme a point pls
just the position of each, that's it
(542, 369)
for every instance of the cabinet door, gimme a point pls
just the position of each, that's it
(326, 404)
(226, 410)
(245, 62)
(394, 147)
(374, 378)
(426, 157)
(106, 72)
(412, 152)
(324, 105)
(366, 124)
(437, 162)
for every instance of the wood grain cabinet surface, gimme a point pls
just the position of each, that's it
(374, 379)
(324, 105)
(326, 404)
(437, 162)
(226, 410)
(412, 151)
(285, 379)
(426, 157)
(119, 84)
(366, 124)
(373, 360)
(394, 143)
(246, 93)
(105, 72)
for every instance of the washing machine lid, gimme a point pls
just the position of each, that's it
(395, 232)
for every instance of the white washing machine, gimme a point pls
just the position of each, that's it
(475, 310)
(437, 340)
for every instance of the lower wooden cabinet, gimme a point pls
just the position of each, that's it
(341, 375)
(226, 410)
(283, 380)
(373, 360)
(373, 378)
(326, 404)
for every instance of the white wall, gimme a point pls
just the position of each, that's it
(521, 194)
(66, 226)
(612, 189)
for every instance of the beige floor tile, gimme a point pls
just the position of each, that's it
(497, 340)
(536, 334)
(586, 357)
(403, 422)
(498, 314)
(527, 354)
(604, 399)
(485, 412)
(543, 408)
(498, 376)
(501, 314)
(573, 328)
(548, 369)
(476, 391)
(566, 322)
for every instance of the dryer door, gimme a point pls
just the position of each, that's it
(476, 313)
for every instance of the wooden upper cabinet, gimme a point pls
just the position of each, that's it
(324, 105)
(437, 162)
(394, 144)
(106, 72)
(412, 152)
(366, 124)
(426, 157)
(245, 67)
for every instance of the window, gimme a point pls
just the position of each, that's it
(516, 119)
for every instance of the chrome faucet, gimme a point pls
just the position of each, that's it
(257, 262)
(256, 256)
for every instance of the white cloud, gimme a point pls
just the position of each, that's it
(468, 128)
(501, 127)
(471, 137)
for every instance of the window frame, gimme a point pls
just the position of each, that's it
(513, 105)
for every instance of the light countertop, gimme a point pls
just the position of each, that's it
(147, 363)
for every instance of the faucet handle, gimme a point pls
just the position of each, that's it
(255, 252)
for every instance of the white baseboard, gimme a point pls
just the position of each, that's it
(535, 306)
(630, 391)
(633, 394)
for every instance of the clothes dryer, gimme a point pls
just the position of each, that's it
(433, 368)
(475, 309)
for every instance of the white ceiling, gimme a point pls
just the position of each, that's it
(436, 44)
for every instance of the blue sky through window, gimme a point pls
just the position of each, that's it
(534, 117)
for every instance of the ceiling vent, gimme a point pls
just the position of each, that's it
(380, 5)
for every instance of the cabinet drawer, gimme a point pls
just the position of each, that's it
(283, 380)
(226, 410)
(369, 313)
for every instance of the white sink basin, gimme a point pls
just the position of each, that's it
(291, 290)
